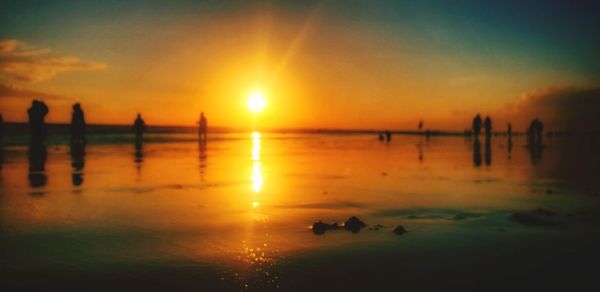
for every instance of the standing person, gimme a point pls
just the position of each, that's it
(509, 130)
(487, 124)
(420, 125)
(139, 127)
(531, 133)
(202, 128)
(37, 113)
(477, 125)
(539, 131)
(388, 136)
(77, 125)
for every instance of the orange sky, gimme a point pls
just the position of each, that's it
(318, 67)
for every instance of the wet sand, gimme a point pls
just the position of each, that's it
(235, 214)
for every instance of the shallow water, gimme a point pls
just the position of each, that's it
(235, 213)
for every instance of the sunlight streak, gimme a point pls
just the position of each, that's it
(297, 43)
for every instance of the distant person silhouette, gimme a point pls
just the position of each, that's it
(476, 125)
(77, 125)
(420, 125)
(509, 133)
(381, 137)
(534, 140)
(388, 136)
(531, 133)
(534, 133)
(487, 124)
(202, 128)
(37, 113)
(139, 127)
(539, 131)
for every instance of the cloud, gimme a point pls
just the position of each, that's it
(560, 107)
(21, 62)
(13, 91)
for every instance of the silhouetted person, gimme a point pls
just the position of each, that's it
(381, 137)
(535, 133)
(509, 130)
(138, 128)
(531, 133)
(77, 125)
(476, 125)
(487, 124)
(420, 125)
(476, 152)
(534, 140)
(77, 162)
(388, 136)
(37, 113)
(37, 161)
(539, 132)
(202, 127)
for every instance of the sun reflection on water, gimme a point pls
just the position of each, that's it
(257, 181)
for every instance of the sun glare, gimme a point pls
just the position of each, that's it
(256, 101)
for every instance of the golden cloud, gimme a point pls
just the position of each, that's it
(21, 62)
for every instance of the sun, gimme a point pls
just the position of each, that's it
(256, 101)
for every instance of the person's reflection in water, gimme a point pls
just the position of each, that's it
(476, 152)
(202, 157)
(139, 155)
(77, 162)
(535, 152)
(509, 146)
(420, 147)
(488, 151)
(37, 162)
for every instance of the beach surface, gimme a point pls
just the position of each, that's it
(235, 213)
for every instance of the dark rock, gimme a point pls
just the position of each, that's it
(544, 212)
(376, 227)
(354, 224)
(400, 230)
(540, 217)
(463, 216)
(319, 227)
